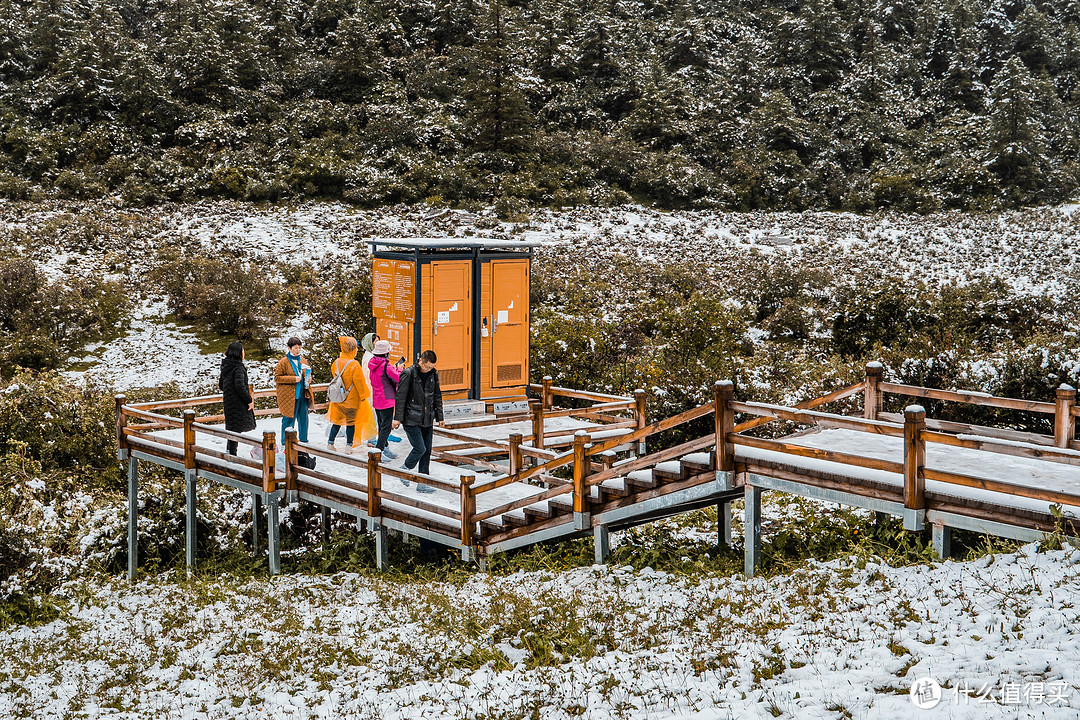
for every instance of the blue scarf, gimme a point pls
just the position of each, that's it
(295, 362)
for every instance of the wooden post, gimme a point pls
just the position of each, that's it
(515, 453)
(325, 521)
(133, 516)
(468, 509)
(607, 459)
(373, 485)
(581, 469)
(914, 467)
(121, 424)
(189, 439)
(269, 471)
(724, 421)
(290, 460)
(546, 395)
(536, 407)
(639, 415)
(875, 373)
(1064, 423)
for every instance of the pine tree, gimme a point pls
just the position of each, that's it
(1016, 139)
(498, 112)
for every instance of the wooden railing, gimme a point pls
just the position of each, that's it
(591, 463)
(916, 434)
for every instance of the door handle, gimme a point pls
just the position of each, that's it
(494, 323)
(435, 328)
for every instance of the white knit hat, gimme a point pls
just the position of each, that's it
(382, 347)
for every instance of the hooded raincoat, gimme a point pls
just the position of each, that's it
(356, 409)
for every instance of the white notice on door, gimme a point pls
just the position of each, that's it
(504, 316)
(444, 317)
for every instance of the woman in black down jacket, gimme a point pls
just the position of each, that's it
(239, 405)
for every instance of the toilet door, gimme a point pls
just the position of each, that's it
(509, 323)
(450, 317)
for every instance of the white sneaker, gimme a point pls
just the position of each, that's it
(330, 447)
(348, 450)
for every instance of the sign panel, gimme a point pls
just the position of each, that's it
(382, 290)
(393, 294)
(405, 291)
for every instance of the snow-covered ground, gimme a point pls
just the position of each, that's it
(843, 639)
(846, 639)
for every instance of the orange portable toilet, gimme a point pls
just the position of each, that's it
(468, 300)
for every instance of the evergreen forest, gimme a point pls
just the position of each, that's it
(914, 105)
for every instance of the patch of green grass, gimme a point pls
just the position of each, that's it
(30, 610)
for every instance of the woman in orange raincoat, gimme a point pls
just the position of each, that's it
(355, 411)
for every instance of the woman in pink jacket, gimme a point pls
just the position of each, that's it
(384, 380)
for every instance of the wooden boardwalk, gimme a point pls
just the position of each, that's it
(512, 480)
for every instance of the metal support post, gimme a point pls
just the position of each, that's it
(382, 556)
(256, 512)
(723, 523)
(942, 540)
(752, 530)
(133, 516)
(189, 483)
(273, 533)
(601, 544)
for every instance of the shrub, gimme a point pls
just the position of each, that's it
(43, 321)
(56, 424)
(226, 295)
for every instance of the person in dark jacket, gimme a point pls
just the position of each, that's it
(233, 383)
(419, 407)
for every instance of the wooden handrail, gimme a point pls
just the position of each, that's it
(1041, 452)
(556, 462)
(981, 483)
(419, 478)
(656, 427)
(817, 453)
(835, 395)
(223, 433)
(523, 502)
(134, 435)
(580, 394)
(210, 452)
(132, 411)
(303, 472)
(969, 397)
(211, 399)
(812, 417)
(418, 504)
(650, 460)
